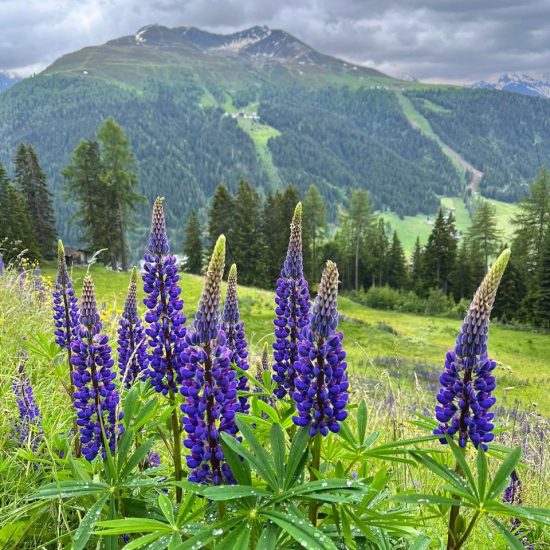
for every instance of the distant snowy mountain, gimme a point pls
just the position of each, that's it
(6, 81)
(520, 84)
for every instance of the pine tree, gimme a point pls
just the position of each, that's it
(16, 231)
(397, 266)
(360, 220)
(484, 233)
(542, 302)
(416, 266)
(462, 276)
(247, 235)
(275, 232)
(121, 177)
(221, 220)
(440, 253)
(377, 254)
(314, 226)
(193, 244)
(511, 294)
(31, 182)
(86, 187)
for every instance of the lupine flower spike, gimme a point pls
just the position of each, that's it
(132, 345)
(292, 311)
(209, 385)
(28, 427)
(264, 364)
(1, 265)
(165, 316)
(95, 398)
(467, 381)
(233, 328)
(65, 304)
(321, 392)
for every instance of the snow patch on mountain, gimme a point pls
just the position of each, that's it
(519, 83)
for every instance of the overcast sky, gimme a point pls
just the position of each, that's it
(433, 40)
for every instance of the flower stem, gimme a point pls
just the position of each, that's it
(315, 465)
(452, 535)
(177, 444)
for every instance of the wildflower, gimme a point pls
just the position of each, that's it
(132, 343)
(152, 460)
(321, 384)
(264, 364)
(233, 328)
(65, 304)
(95, 398)
(1, 265)
(165, 316)
(467, 380)
(292, 311)
(28, 427)
(209, 384)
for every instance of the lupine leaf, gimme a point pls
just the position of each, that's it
(279, 451)
(418, 498)
(137, 457)
(67, 489)
(206, 536)
(131, 525)
(501, 479)
(300, 530)
(130, 402)
(296, 456)
(511, 539)
(166, 506)
(84, 531)
(239, 468)
(481, 473)
(142, 541)
(123, 447)
(268, 538)
(231, 492)
(145, 413)
(458, 453)
(421, 543)
(362, 417)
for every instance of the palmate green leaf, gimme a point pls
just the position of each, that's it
(123, 447)
(268, 538)
(270, 412)
(362, 419)
(511, 539)
(239, 468)
(68, 489)
(146, 412)
(420, 543)
(130, 405)
(502, 476)
(210, 534)
(84, 531)
(136, 458)
(320, 486)
(347, 435)
(458, 453)
(419, 498)
(166, 506)
(481, 473)
(238, 538)
(300, 530)
(132, 525)
(297, 457)
(278, 450)
(535, 515)
(231, 492)
(145, 540)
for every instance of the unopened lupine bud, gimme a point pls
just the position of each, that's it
(467, 381)
(132, 344)
(292, 310)
(234, 332)
(321, 392)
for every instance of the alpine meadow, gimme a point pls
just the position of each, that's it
(254, 296)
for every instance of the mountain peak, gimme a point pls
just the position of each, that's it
(519, 83)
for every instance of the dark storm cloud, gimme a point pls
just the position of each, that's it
(438, 40)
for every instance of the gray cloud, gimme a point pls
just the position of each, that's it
(434, 40)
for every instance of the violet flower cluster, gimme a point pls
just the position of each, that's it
(95, 398)
(28, 427)
(233, 328)
(1, 265)
(132, 344)
(467, 381)
(208, 383)
(292, 310)
(321, 392)
(165, 318)
(65, 304)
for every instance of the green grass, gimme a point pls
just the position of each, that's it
(379, 343)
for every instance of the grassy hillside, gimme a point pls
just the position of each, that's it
(385, 349)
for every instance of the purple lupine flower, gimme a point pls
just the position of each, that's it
(264, 364)
(234, 332)
(65, 304)
(321, 392)
(467, 380)
(1, 265)
(165, 318)
(152, 460)
(38, 284)
(28, 427)
(95, 398)
(208, 383)
(132, 345)
(292, 311)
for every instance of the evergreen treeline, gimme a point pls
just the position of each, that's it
(27, 219)
(444, 271)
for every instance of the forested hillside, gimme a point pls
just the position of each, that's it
(184, 98)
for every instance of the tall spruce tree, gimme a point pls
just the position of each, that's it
(377, 253)
(192, 247)
(314, 226)
(440, 253)
(275, 230)
(416, 266)
(221, 220)
(247, 235)
(16, 231)
(462, 276)
(120, 175)
(484, 233)
(542, 301)
(396, 265)
(360, 219)
(31, 182)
